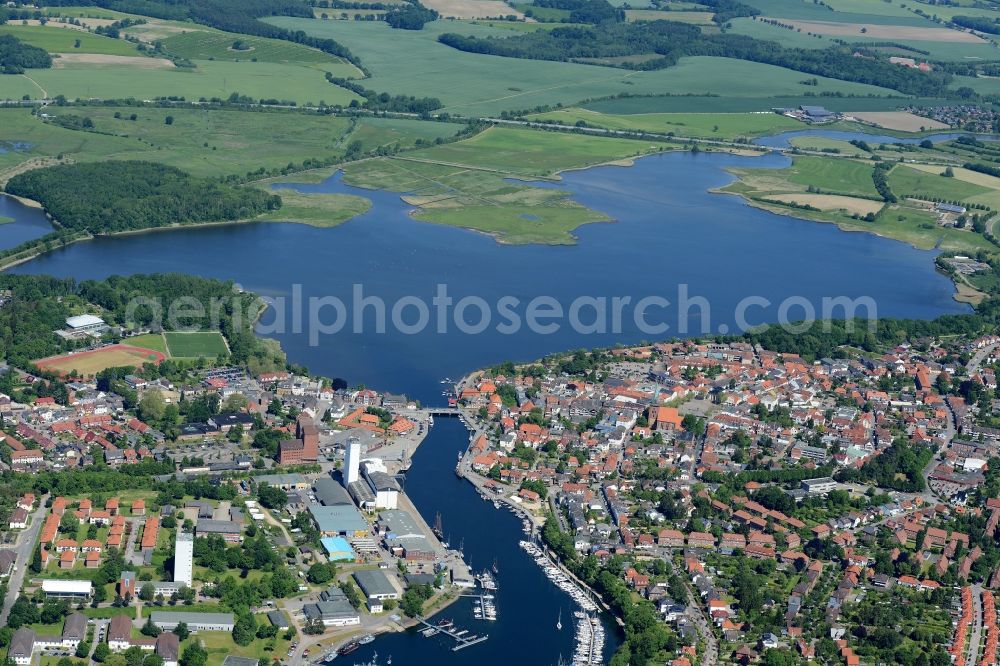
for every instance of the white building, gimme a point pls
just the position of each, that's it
(352, 461)
(67, 589)
(184, 558)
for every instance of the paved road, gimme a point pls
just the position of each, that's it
(976, 634)
(25, 546)
(711, 655)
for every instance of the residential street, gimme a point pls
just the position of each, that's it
(25, 543)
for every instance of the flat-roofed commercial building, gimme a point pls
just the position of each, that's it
(195, 621)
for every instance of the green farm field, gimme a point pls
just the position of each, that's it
(206, 142)
(698, 125)
(842, 176)
(56, 39)
(531, 153)
(215, 45)
(907, 182)
(701, 104)
(903, 222)
(415, 63)
(208, 344)
(209, 79)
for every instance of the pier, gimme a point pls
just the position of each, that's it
(462, 640)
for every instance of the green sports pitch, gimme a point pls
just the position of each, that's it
(208, 344)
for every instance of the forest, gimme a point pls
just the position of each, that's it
(410, 16)
(585, 11)
(107, 197)
(16, 56)
(672, 40)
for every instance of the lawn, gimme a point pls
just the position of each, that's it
(698, 125)
(218, 644)
(56, 39)
(216, 45)
(415, 63)
(260, 80)
(208, 344)
(533, 153)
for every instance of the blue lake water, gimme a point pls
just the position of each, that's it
(29, 223)
(669, 232)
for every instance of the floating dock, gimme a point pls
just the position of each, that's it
(462, 640)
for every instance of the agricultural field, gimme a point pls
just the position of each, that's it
(703, 104)
(216, 45)
(530, 153)
(59, 38)
(697, 125)
(899, 120)
(828, 145)
(474, 84)
(773, 189)
(209, 79)
(472, 9)
(696, 18)
(203, 142)
(849, 11)
(89, 363)
(196, 344)
(840, 176)
(969, 187)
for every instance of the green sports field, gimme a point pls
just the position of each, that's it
(415, 63)
(207, 344)
(152, 341)
(55, 39)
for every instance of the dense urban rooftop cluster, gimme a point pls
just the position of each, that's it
(785, 497)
